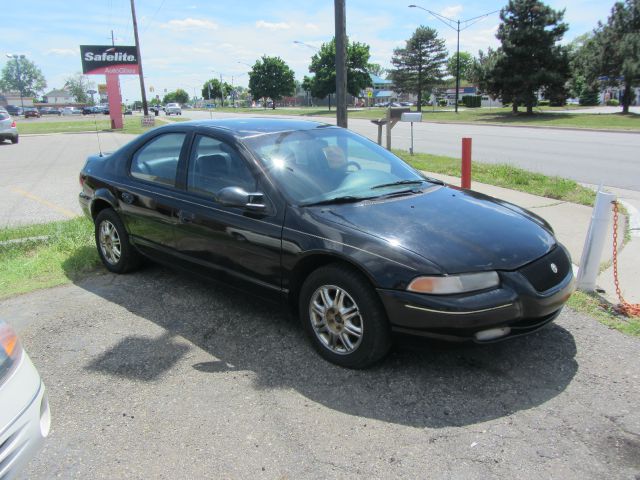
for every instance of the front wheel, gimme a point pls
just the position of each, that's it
(112, 240)
(344, 317)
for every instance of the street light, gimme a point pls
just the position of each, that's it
(16, 56)
(455, 25)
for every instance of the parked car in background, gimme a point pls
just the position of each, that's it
(90, 110)
(356, 241)
(14, 110)
(173, 109)
(31, 112)
(71, 111)
(50, 111)
(25, 418)
(8, 129)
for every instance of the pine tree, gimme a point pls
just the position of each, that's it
(421, 64)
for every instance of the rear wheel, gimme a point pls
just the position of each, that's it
(112, 240)
(344, 317)
(15, 139)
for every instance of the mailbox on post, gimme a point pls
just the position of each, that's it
(411, 117)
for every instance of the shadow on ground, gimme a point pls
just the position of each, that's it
(427, 385)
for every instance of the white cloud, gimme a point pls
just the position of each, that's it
(189, 23)
(452, 11)
(311, 26)
(273, 26)
(63, 52)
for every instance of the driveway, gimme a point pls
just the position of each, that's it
(159, 375)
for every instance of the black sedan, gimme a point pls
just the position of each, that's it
(360, 244)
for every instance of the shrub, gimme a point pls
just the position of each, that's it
(613, 102)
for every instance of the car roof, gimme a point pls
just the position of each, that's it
(247, 127)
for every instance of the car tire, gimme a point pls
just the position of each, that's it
(112, 242)
(353, 334)
(15, 139)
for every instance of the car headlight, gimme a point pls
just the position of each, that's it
(467, 282)
(10, 350)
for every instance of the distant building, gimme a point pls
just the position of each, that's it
(13, 98)
(59, 97)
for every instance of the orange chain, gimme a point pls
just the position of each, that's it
(624, 307)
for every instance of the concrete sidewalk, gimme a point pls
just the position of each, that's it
(570, 222)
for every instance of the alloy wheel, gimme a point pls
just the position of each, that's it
(336, 319)
(110, 244)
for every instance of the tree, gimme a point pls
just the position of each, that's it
(179, 96)
(466, 61)
(78, 85)
(617, 49)
(31, 81)
(419, 66)
(376, 69)
(323, 65)
(214, 88)
(530, 58)
(271, 77)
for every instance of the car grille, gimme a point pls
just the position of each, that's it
(540, 273)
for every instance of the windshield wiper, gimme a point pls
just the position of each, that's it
(399, 182)
(409, 182)
(336, 200)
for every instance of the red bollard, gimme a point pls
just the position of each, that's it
(466, 163)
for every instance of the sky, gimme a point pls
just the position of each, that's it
(186, 42)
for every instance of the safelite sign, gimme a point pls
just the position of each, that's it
(108, 59)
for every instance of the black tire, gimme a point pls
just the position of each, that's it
(374, 341)
(15, 139)
(128, 258)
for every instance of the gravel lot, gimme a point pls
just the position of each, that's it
(160, 375)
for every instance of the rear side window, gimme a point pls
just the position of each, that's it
(157, 161)
(4, 116)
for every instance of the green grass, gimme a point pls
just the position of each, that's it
(594, 307)
(505, 176)
(67, 253)
(102, 123)
(542, 117)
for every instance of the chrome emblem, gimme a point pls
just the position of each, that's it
(554, 269)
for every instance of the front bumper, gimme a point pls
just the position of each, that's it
(515, 308)
(23, 436)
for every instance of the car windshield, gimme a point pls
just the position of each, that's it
(330, 164)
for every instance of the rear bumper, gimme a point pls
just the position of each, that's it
(515, 308)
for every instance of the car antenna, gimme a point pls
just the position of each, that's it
(95, 122)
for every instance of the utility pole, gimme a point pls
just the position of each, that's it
(341, 63)
(458, 67)
(145, 107)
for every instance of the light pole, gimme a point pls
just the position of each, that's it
(455, 25)
(17, 57)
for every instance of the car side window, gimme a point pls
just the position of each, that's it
(214, 165)
(157, 161)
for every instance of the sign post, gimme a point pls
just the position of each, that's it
(111, 61)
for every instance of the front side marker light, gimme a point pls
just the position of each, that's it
(468, 282)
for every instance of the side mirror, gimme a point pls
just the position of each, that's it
(238, 197)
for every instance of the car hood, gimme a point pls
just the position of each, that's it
(458, 230)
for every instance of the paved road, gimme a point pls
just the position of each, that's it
(39, 175)
(590, 157)
(158, 375)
